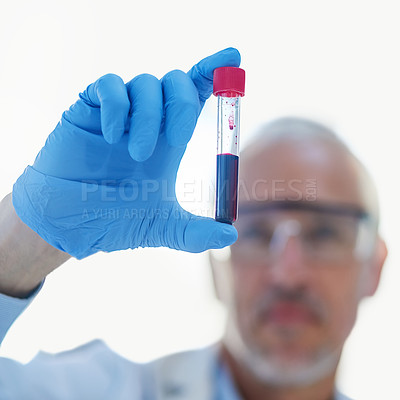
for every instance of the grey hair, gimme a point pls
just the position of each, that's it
(300, 130)
(295, 129)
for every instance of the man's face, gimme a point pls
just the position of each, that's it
(296, 277)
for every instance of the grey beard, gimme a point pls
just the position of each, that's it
(268, 371)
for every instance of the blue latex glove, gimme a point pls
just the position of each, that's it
(105, 178)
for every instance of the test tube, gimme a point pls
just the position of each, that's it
(229, 88)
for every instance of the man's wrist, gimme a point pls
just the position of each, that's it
(25, 258)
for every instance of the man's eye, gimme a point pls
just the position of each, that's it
(324, 233)
(256, 234)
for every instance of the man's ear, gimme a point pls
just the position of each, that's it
(375, 267)
(220, 261)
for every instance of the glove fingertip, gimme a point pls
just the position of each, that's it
(223, 236)
(136, 154)
(205, 233)
(140, 147)
(234, 56)
(113, 136)
(181, 133)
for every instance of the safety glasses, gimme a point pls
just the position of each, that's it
(323, 233)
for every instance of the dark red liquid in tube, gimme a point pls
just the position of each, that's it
(227, 188)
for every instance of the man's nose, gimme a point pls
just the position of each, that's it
(288, 264)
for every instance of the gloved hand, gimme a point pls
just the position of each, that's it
(105, 178)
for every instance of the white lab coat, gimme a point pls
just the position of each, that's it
(94, 372)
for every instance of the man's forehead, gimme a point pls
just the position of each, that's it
(304, 170)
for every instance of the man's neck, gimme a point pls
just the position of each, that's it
(250, 388)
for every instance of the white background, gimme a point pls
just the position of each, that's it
(337, 61)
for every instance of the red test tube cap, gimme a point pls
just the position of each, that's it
(229, 81)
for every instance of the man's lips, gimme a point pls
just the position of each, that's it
(289, 313)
